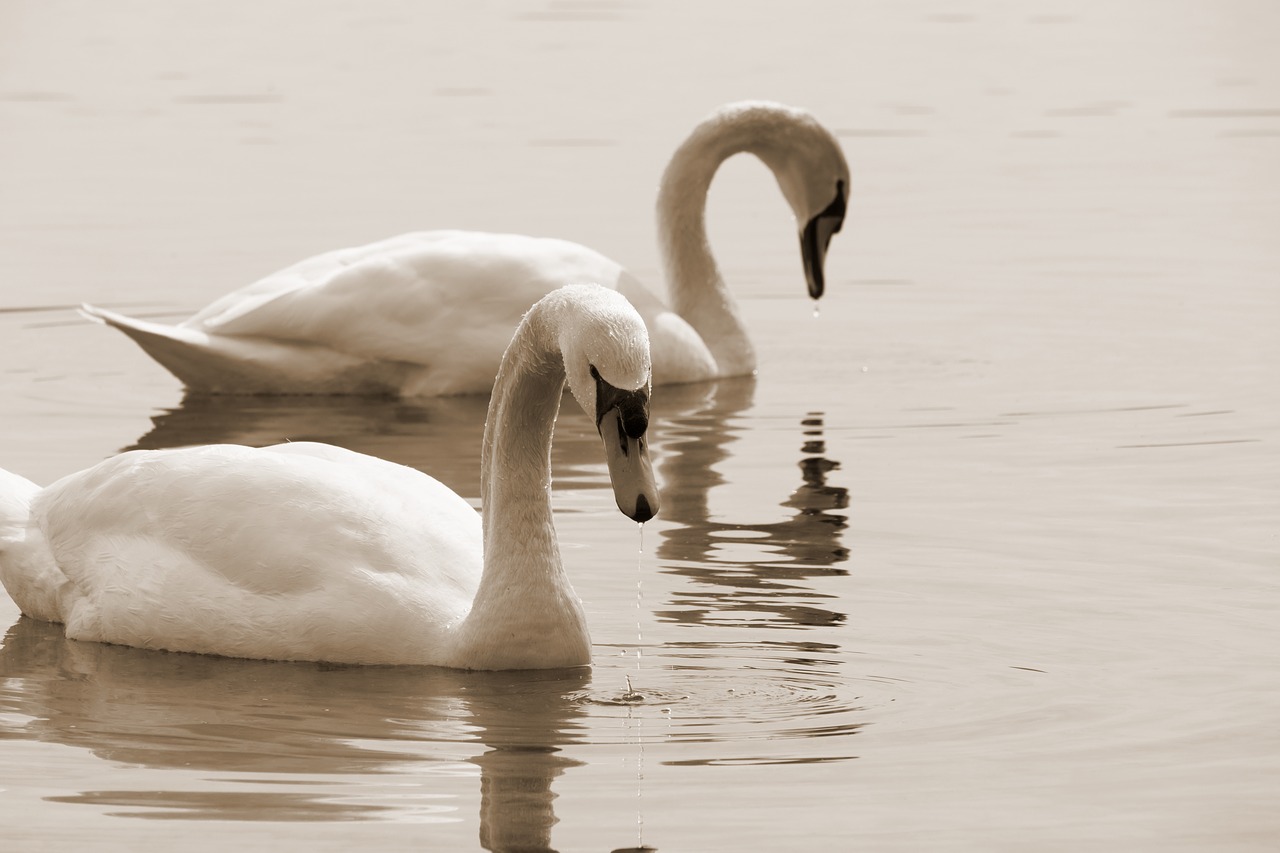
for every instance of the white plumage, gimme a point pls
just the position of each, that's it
(307, 551)
(430, 313)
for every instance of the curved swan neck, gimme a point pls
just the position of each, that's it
(695, 288)
(515, 467)
(525, 613)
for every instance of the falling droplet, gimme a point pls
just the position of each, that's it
(639, 598)
(633, 697)
(816, 303)
(639, 721)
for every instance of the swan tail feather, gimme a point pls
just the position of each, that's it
(186, 353)
(27, 569)
(15, 507)
(228, 364)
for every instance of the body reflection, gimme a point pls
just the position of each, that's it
(325, 734)
(440, 435)
(750, 573)
(747, 573)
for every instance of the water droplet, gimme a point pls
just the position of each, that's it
(639, 599)
(633, 697)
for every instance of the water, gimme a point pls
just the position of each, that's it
(984, 559)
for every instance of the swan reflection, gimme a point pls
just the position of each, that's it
(441, 436)
(747, 573)
(322, 736)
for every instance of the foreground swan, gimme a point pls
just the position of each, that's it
(311, 552)
(430, 313)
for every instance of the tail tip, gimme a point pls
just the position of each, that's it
(89, 312)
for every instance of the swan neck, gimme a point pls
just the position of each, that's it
(515, 488)
(695, 287)
(525, 613)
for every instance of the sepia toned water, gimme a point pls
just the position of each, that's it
(987, 556)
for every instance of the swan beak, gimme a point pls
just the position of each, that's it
(816, 237)
(630, 470)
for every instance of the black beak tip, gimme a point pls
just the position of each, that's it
(816, 286)
(643, 512)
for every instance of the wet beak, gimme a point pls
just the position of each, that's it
(629, 467)
(815, 237)
(622, 417)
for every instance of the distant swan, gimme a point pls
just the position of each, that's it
(429, 313)
(311, 552)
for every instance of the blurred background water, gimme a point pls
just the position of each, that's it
(985, 558)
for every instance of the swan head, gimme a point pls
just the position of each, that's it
(813, 175)
(605, 348)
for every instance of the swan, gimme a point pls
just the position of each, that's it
(429, 313)
(307, 551)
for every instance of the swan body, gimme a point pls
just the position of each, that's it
(430, 313)
(307, 551)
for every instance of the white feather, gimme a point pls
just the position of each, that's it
(430, 313)
(307, 551)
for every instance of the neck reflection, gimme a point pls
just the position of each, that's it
(747, 573)
(523, 718)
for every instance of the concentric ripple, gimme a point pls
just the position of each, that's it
(729, 694)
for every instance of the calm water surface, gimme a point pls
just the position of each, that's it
(985, 558)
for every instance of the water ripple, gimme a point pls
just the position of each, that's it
(734, 693)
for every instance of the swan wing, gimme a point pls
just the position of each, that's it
(444, 301)
(422, 314)
(290, 552)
